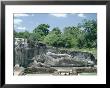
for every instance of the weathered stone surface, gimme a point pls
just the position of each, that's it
(66, 60)
(39, 70)
(45, 57)
(18, 70)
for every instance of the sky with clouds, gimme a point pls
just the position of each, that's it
(27, 22)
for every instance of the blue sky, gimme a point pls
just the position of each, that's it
(28, 21)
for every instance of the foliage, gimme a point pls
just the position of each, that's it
(71, 35)
(56, 30)
(41, 31)
(25, 34)
(54, 38)
(90, 29)
(84, 35)
(32, 40)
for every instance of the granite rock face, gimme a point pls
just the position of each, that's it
(68, 59)
(43, 56)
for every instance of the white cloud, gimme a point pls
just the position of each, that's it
(59, 15)
(19, 15)
(81, 15)
(21, 28)
(17, 21)
(18, 24)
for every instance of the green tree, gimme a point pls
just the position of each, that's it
(54, 38)
(71, 35)
(20, 35)
(43, 28)
(32, 40)
(81, 40)
(41, 31)
(26, 34)
(90, 29)
(56, 30)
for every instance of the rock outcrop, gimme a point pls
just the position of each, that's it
(68, 59)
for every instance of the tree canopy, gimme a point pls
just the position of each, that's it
(84, 35)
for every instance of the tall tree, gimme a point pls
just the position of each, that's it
(41, 31)
(71, 35)
(54, 38)
(90, 29)
(56, 30)
(26, 34)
